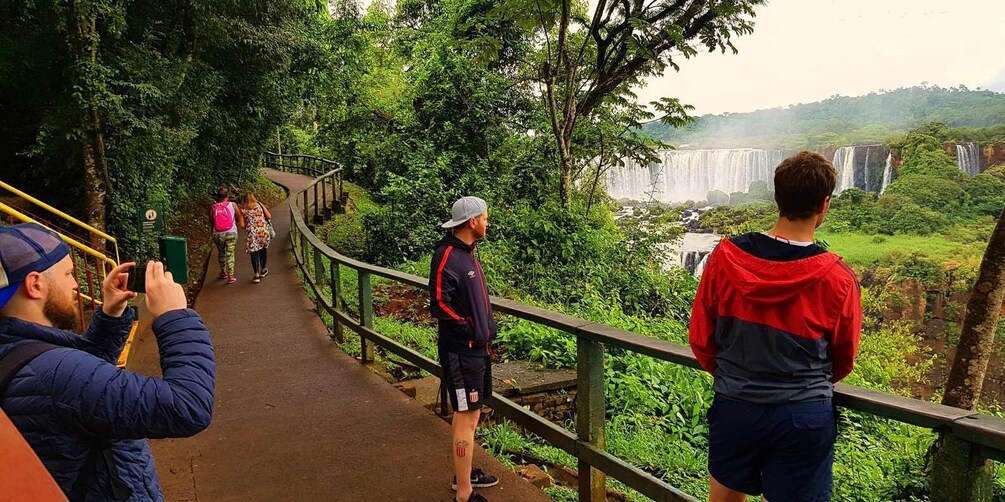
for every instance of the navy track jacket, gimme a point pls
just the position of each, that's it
(77, 409)
(459, 300)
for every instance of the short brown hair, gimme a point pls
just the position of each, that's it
(802, 183)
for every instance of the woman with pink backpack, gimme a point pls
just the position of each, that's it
(224, 219)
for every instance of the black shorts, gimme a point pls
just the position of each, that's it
(467, 379)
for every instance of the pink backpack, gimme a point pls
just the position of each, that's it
(222, 219)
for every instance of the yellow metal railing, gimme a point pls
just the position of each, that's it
(74, 223)
(91, 265)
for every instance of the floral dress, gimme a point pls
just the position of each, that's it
(258, 229)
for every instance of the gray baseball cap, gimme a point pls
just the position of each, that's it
(464, 209)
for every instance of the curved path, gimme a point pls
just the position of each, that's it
(295, 418)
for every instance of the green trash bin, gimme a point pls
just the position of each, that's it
(174, 252)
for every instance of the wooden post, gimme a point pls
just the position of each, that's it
(590, 409)
(303, 251)
(443, 399)
(315, 203)
(324, 198)
(319, 278)
(960, 473)
(365, 315)
(336, 283)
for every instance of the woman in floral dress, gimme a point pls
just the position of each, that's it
(257, 219)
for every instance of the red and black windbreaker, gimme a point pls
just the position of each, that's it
(772, 329)
(459, 299)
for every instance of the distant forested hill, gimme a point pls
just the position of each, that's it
(842, 120)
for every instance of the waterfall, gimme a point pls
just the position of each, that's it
(865, 167)
(844, 162)
(690, 174)
(887, 173)
(968, 157)
(701, 266)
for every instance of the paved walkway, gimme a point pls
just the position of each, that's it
(296, 418)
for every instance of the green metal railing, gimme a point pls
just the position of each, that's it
(321, 266)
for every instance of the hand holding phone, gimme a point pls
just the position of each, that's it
(115, 290)
(163, 294)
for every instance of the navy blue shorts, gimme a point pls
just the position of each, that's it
(785, 451)
(467, 380)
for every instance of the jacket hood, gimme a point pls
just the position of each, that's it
(768, 281)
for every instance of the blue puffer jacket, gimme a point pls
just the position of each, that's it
(87, 419)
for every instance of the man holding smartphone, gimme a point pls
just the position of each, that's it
(87, 419)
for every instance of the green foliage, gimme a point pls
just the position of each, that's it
(181, 98)
(736, 220)
(998, 171)
(930, 192)
(987, 194)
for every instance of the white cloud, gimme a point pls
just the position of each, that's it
(806, 50)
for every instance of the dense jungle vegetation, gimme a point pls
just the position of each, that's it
(154, 103)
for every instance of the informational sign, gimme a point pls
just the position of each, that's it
(151, 220)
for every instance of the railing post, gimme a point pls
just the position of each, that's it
(959, 472)
(304, 252)
(590, 409)
(305, 206)
(324, 198)
(315, 203)
(365, 315)
(319, 274)
(336, 286)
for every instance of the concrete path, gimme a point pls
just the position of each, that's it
(295, 418)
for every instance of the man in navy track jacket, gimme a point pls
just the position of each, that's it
(459, 301)
(87, 419)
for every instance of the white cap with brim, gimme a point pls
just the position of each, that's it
(464, 209)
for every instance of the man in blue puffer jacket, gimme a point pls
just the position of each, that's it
(85, 418)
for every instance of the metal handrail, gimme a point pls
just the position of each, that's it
(985, 432)
(90, 266)
(62, 215)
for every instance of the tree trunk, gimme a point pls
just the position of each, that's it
(959, 472)
(84, 51)
(966, 378)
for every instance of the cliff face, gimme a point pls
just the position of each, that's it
(993, 154)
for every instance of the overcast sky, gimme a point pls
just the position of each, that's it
(807, 50)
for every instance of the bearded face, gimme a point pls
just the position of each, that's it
(61, 309)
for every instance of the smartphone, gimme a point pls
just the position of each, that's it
(137, 279)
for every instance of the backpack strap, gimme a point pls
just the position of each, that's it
(18, 358)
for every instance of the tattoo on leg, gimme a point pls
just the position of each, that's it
(461, 448)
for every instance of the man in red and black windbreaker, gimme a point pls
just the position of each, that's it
(459, 301)
(777, 321)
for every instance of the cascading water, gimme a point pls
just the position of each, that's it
(968, 157)
(844, 162)
(691, 174)
(701, 266)
(887, 173)
(866, 168)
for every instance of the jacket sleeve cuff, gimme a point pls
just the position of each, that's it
(170, 316)
(126, 319)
